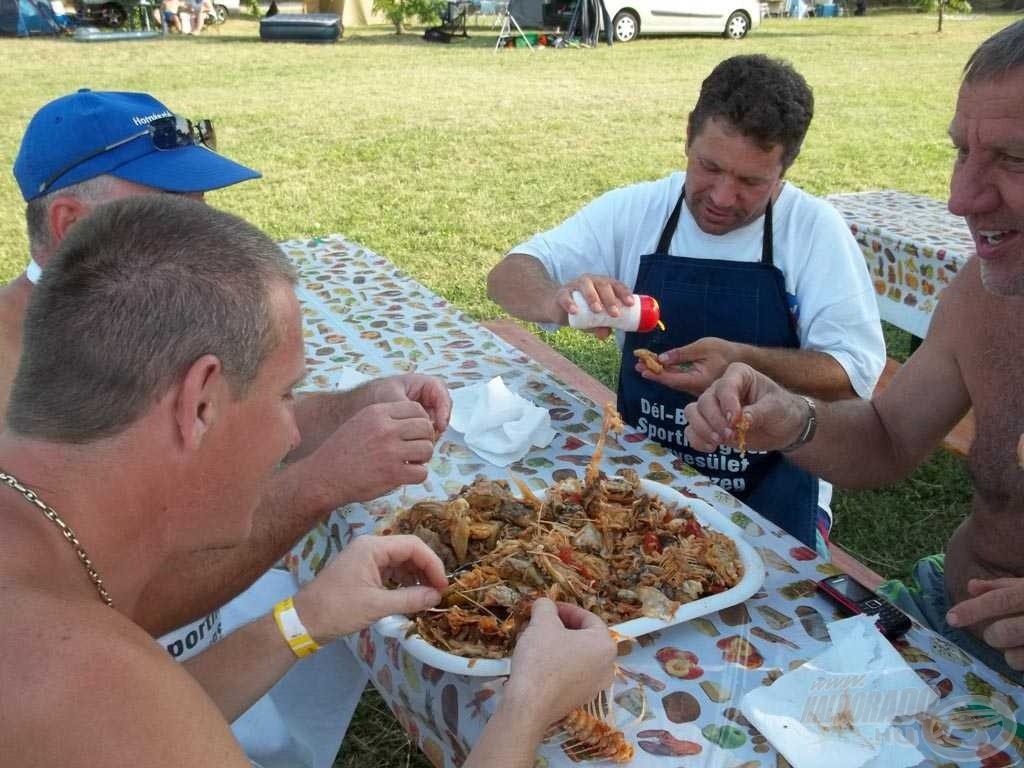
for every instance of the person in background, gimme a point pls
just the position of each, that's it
(167, 15)
(746, 267)
(972, 358)
(201, 9)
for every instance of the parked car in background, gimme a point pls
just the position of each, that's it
(729, 18)
(224, 8)
(117, 13)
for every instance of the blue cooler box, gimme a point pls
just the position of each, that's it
(301, 27)
(826, 11)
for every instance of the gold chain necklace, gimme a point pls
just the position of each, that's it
(65, 529)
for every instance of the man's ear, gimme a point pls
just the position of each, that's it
(201, 394)
(688, 136)
(63, 212)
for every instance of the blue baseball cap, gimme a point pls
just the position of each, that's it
(91, 133)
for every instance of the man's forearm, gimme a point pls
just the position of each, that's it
(194, 584)
(521, 285)
(805, 371)
(243, 666)
(853, 448)
(510, 739)
(318, 415)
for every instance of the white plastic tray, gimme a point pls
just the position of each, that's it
(398, 626)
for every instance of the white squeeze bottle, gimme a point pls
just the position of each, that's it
(643, 315)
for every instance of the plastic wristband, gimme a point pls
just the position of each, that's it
(809, 427)
(293, 630)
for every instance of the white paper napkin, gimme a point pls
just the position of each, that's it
(863, 679)
(497, 424)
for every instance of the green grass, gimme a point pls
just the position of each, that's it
(442, 157)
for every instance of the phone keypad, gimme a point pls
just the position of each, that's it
(891, 620)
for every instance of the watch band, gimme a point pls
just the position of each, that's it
(810, 427)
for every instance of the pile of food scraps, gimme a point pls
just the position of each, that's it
(601, 543)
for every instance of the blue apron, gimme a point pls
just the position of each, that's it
(744, 302)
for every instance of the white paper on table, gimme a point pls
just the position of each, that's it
(497, 424)
(862, 674)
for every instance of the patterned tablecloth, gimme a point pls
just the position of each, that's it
(913, 246)
(362, 313)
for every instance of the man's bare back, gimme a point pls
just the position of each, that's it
(986, 338)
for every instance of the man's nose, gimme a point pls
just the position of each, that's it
(723, 193)
(971, 190)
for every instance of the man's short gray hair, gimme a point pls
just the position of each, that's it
(92, 191)
(997, 56)
(137, 292)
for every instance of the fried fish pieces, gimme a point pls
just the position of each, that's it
(650, 360)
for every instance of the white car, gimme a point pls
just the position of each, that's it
(225, 8)
(729, 18)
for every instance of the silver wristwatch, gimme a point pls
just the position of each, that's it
(809, 427)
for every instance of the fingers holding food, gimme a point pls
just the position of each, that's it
(650, 360)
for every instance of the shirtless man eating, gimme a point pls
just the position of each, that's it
(972, 357)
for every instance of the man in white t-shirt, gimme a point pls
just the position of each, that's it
(745, 266)
(92, 147)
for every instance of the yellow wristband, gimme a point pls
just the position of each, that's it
(293, 630)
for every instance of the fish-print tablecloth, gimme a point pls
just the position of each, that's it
(678, 696)
(913, 247)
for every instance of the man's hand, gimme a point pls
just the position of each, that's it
(432, 394)
(380, 448)
(428, 391)
(695, 367)
(999, 603)
(562, 660)
(349, 594)
(777, 417)
(600, 292)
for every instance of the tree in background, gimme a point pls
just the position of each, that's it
(959, 6)
(400, 12)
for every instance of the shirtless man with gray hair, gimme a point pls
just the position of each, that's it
(973, 357)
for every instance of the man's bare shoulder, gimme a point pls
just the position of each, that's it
(84, 686)
(962, 302)
(971, 322)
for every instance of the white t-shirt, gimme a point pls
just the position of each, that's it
(301, 721)
(826, 279)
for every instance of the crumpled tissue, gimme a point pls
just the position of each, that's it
(842, 703)
(497, 424)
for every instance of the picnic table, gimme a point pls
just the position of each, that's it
(913, 247)
(363, 314)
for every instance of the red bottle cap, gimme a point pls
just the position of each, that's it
(650, 314)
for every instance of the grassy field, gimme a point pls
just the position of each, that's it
(441, 157)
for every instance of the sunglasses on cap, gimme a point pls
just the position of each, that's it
(165, 132)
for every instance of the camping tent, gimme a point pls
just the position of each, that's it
(353, 13)
(22, 18)
(359, 13)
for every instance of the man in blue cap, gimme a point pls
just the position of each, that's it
(90, 147)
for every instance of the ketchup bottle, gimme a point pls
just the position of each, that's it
(643, 315)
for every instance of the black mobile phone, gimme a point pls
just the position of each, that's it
(853, 597)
